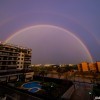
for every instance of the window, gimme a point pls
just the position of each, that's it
(21, 58)
(17, 66)
(18, 58)
(22, 55)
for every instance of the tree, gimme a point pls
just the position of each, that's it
(22, 77)
(60, 71)
(43, 72)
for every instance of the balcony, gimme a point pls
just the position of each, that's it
(27, 60)
(27, 55)
(8, 51)
(3, 60)
(13, 65)
(8, 55)
(9, 72)
(27, 63)
(4, 54)
(14, 55)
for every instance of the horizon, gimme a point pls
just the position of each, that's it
(56, 31)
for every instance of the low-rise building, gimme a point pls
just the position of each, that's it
(80, 67)
(98, 65)
(93, 67)
(84, 66)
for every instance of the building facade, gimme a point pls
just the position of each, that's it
(14, 57)
(84, 66)
(98, 65)
(94, 67)
(80, 67)
(14, 61)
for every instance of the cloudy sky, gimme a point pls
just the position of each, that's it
(58, 31)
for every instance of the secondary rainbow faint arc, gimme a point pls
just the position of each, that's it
(52, 26)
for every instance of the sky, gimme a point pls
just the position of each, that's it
(58, 31)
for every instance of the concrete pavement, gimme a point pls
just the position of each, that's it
(81, 92)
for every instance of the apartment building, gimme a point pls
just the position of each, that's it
(12, 57)
(98, 65)
(80, 67)
(84, 66)
(14, 60)
(93, 67)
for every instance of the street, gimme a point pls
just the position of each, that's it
(82, 91)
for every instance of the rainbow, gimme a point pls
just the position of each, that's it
(52, 26)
